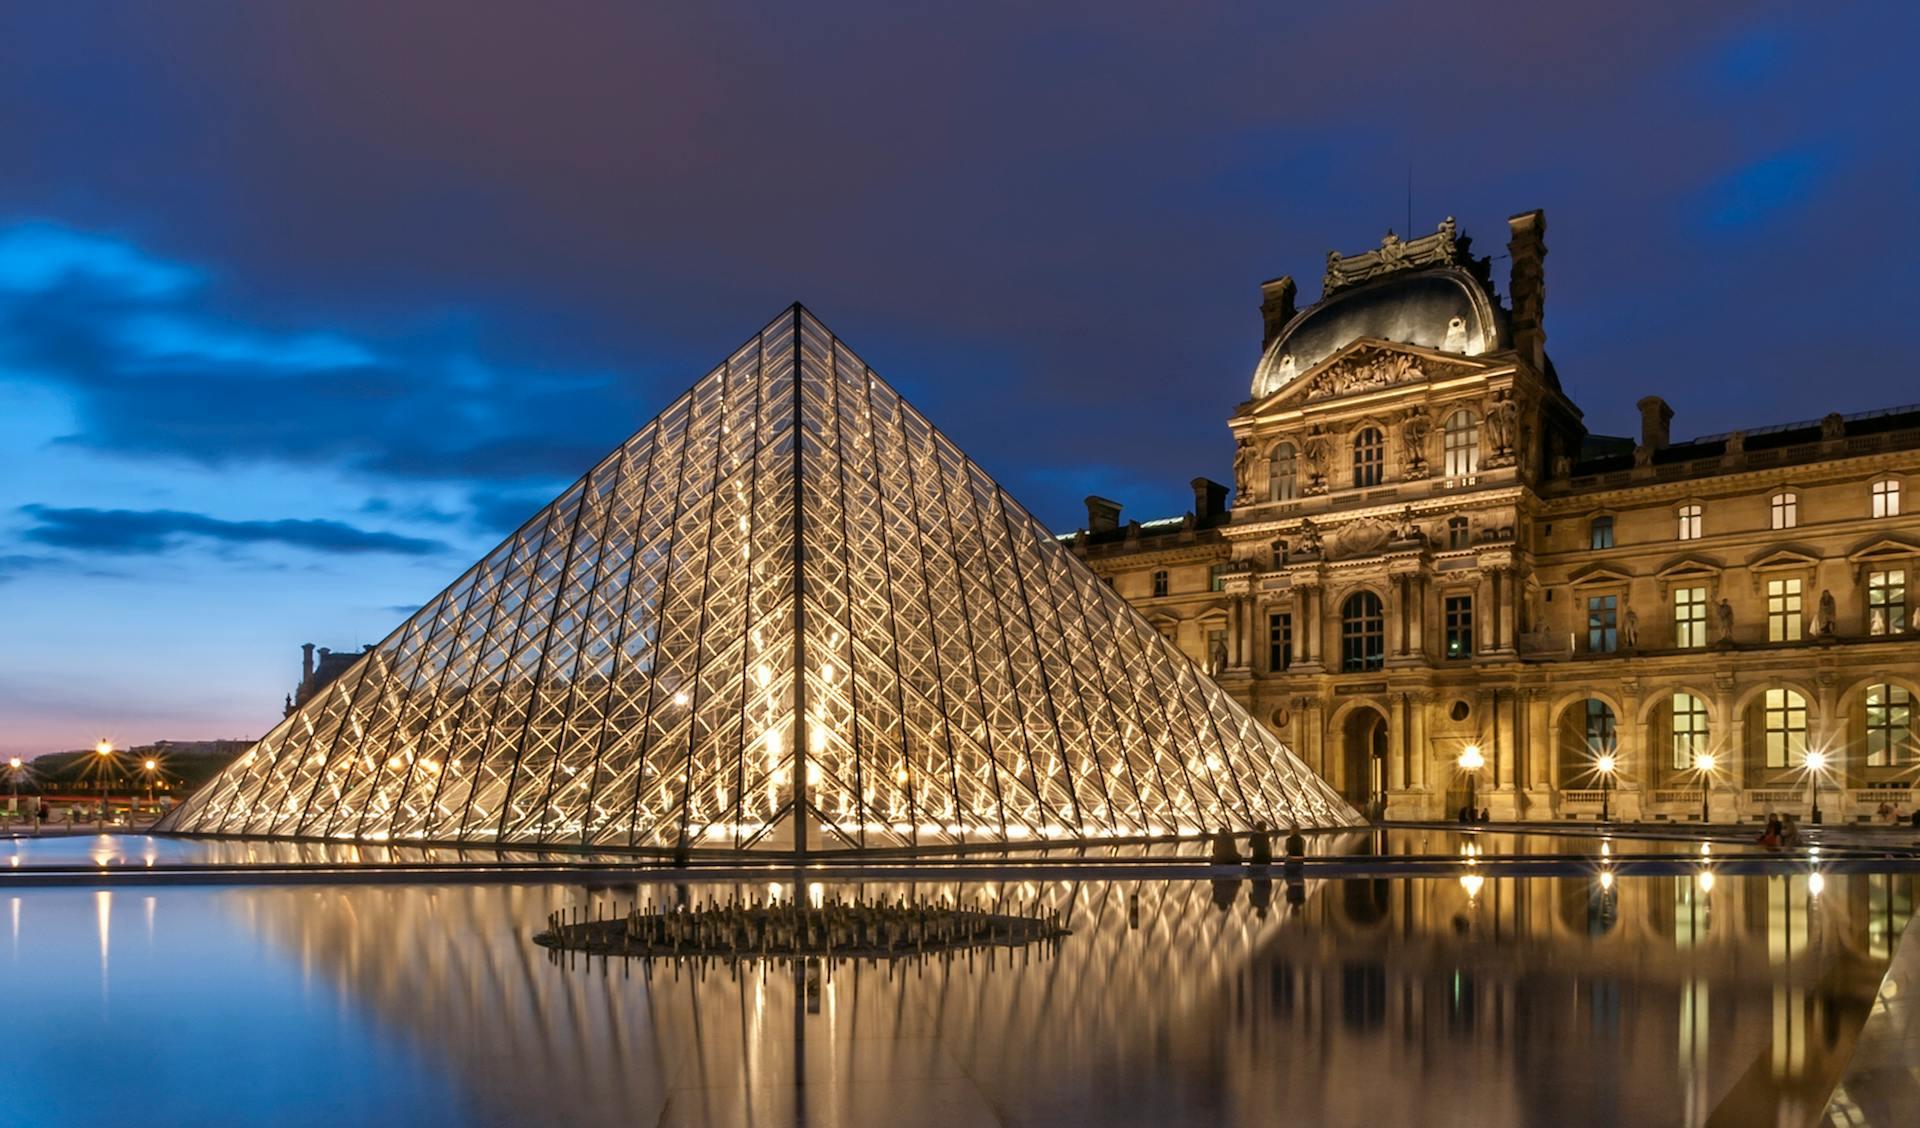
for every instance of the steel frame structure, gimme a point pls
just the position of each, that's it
(787, 616)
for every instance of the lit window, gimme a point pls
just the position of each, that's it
(1887, 602)
(1459, 616)
(1369, 457)
(1689, 522)
(1689, 617)
(1282, 484)
(1217, 578)
(1363, 632)
(1603, 627)
(1786, 510)
(1279, 641)
(1889, 725)
(1600, 532)
(1462, 443)
(1786, 724)
(1886, 498)
(1783, 611)
(1457, 532)
(1689, 730)
(1159, 583)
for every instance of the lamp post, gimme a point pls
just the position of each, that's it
(104, 750)
(150, 765)
(13, 786)
(1703, 763)
(1816, 763)
(1605, 765)
(1471, 761)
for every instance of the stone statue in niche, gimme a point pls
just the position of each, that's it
(1218, 656)
(1314, 450)
(1642, 455)
(1833, 426)
(1825, 622)
(1737, 442)
(1413, 444)
(1242, 466)
(1562, 466)
(1456, 339)
(1630, 628)
(1409, 528)
(1724, 613)
(1500, 420)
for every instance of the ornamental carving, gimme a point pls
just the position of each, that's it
(1364, 374)
(1362, 537)
(1443, 247)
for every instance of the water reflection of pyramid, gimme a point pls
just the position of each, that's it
(621, 672)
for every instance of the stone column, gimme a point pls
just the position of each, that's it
(1397, 765)
(1504, 582)
(1417, 617)
(1421, 753)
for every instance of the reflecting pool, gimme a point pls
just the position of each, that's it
(1471, 999)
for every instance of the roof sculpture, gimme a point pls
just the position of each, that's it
(786, 615)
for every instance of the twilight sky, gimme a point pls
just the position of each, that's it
(302, 307)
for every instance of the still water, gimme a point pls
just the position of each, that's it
(1461, 1000)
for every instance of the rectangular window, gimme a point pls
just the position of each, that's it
(1889, 725)
(1279, 641)
(1600, 533)
(1689, 730)
(1786, 720)
(1886, 498)
(1887, 602)
(1786, 510)
(1689, 516)
(1459, 615)
(1603, 628)
(1217, 578)
(1783, 611)
(1689, 617)
(1159, 583)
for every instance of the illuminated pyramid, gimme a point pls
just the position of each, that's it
(624, 672)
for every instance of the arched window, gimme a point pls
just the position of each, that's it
(1462, 444)
(1689, 730)
(1601, 729)
(1282, 485)
(1886, 498)
(1689, 521)
(1786, 510)
(1369, 457)
(1889, 725)
(1458, 535)
(1786, 727)
(1363, 632)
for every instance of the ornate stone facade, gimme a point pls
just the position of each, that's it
(1427, 550)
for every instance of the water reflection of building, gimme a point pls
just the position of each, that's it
(1427, 549)
(1390, 1002)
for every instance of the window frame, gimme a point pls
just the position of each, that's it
(1456, 618)
(1783, 510)
(1363, 633)
(1603, 624)
(1898, 699)
(1596, 525)
(1692, 521)
(1279, 641)
(1887, 592)
(1886, 498)
(1162, 583)
(1283, 473)
(1460, 444)
(1459, 533)
(1783, 715)
(1690, 618)
(1786, 609)
(1369, 457)
(1691, 740)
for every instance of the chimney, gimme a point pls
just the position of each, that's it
(1103, 516)
(1209, 500)
(1529, 286)
(1656, 423)
(1276, 307)
(306, 663)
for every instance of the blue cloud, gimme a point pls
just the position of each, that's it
(171, 340)
(152, 531)
(1757, 193)
(38, 258)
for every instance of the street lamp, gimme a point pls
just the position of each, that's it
(13, 785)
(1816, 763)
(1605, 765)
(1471, 761)
(104, 750)
(150, 765)
(1703, 763)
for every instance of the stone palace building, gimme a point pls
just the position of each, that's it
(1428, 552)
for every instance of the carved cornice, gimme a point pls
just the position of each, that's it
(1444, 247)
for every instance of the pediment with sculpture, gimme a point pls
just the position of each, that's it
(1365, 366)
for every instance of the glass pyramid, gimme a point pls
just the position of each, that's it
(787, 615)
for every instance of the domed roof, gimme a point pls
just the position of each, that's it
(1446, 309)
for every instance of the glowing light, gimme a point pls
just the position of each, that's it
(1816, 761)
(763, 675)
(104, 748)
(14, 763)
(1606, 848)
(1816, 883)
(1706, 881)
(1605, 763)
(1470, 758)
(1705, 761)
(680, 698)
(1471, 882)
(1606, 879)
(826, 673)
